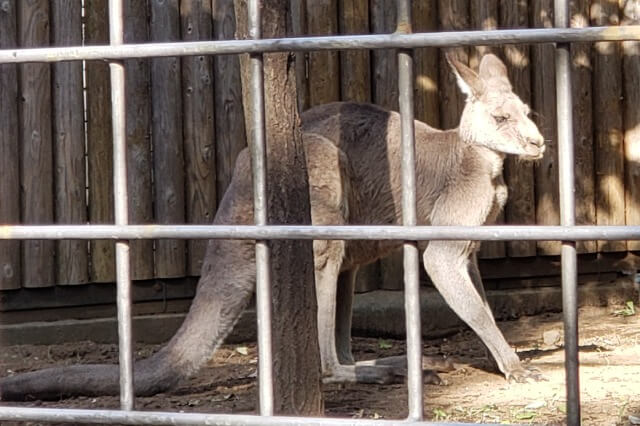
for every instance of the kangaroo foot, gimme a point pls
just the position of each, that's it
(387, 371)
(438, 364)
(524, 375)
(431, 366)
(372, 374)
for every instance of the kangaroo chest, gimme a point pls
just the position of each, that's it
(499, 198)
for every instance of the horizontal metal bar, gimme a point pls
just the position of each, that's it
(348, 42)
(308, 232)
(177, 419)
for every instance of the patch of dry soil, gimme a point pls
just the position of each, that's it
(474, 392)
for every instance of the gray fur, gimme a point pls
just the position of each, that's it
(355, 176)
(353, 158)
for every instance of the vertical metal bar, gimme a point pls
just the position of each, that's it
(411, 264)
(259, 157)
(123, 276)
(567, 215)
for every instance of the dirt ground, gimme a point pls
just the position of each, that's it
(473, 392)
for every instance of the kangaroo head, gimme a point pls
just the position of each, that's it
(494, 116)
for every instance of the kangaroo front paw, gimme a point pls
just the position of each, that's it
(524, 375)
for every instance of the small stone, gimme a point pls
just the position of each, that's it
(552, 337)
(535, 405)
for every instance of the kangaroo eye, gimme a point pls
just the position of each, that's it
(500, 119)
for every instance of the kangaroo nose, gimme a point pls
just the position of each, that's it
(537, 141)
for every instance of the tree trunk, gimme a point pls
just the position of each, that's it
(297, 376)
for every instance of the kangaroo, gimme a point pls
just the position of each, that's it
(353, 159)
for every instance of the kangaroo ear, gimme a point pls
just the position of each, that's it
(469, 82)
(492, 67)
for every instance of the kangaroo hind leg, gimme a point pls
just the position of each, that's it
(334, 368)
(334, 330)
(447, 263)
(330, 194)
(344, 313)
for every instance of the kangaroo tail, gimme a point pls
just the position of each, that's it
(221, 297)
(224, 290)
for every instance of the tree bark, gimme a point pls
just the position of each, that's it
(297, 376)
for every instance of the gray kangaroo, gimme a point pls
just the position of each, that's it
(353, 158)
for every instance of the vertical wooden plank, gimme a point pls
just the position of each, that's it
(631, 74)
(36, 173)
(299, 28)
(168, 156)
(581, 90)
(68, 135)
(324, 67)
(484, 15)
(426, 99)
(198, 126)
(229, 116)
(454, 15)
(99, 142)
(385, 93)
(544, 105)
(520, 208)
(607, 107)
(355, 75)
(139, 162)
(384, 63)
(9, 151)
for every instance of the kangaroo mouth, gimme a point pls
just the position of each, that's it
(534, 152)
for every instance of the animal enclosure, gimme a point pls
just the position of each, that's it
(165, 197)
(56, 149)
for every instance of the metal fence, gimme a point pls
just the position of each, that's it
(116, 52)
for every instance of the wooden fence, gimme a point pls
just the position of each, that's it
(185, 125)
